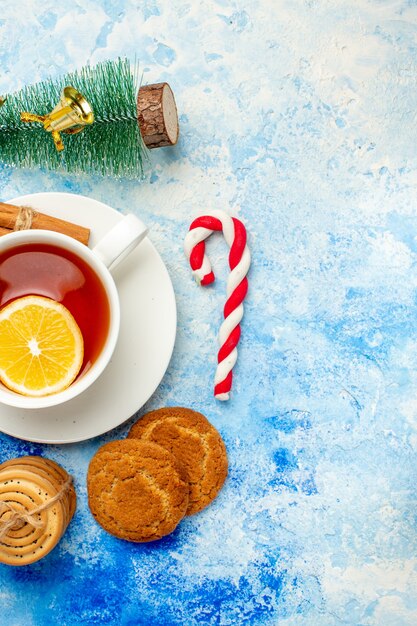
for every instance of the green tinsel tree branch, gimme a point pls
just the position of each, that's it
(112, 145)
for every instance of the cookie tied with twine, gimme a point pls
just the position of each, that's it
(37, 502)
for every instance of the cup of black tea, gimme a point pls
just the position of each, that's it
(55, 268)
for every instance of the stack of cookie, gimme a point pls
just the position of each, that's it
(173, 463)
(37, 502)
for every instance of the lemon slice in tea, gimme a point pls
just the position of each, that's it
(41, 346)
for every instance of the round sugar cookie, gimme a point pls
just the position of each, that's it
(197, 445)
(23, 491)
(39, 476)
(27, 483)
(49, 470)
(135, 490)
(55, 472)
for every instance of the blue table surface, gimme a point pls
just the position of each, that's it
(298, 116)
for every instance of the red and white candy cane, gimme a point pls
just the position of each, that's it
(237, 285)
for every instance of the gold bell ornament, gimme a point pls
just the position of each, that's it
(70, 116)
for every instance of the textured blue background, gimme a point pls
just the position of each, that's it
(298, 116)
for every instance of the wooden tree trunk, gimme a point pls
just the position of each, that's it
(157, 115)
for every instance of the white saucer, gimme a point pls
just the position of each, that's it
(144, 347)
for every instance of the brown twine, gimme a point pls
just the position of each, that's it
(19, 519)
(24, 218)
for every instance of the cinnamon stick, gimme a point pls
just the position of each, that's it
(14, 218)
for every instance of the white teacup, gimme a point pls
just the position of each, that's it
(108, 253)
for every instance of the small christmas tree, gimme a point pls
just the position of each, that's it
(112, 145)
